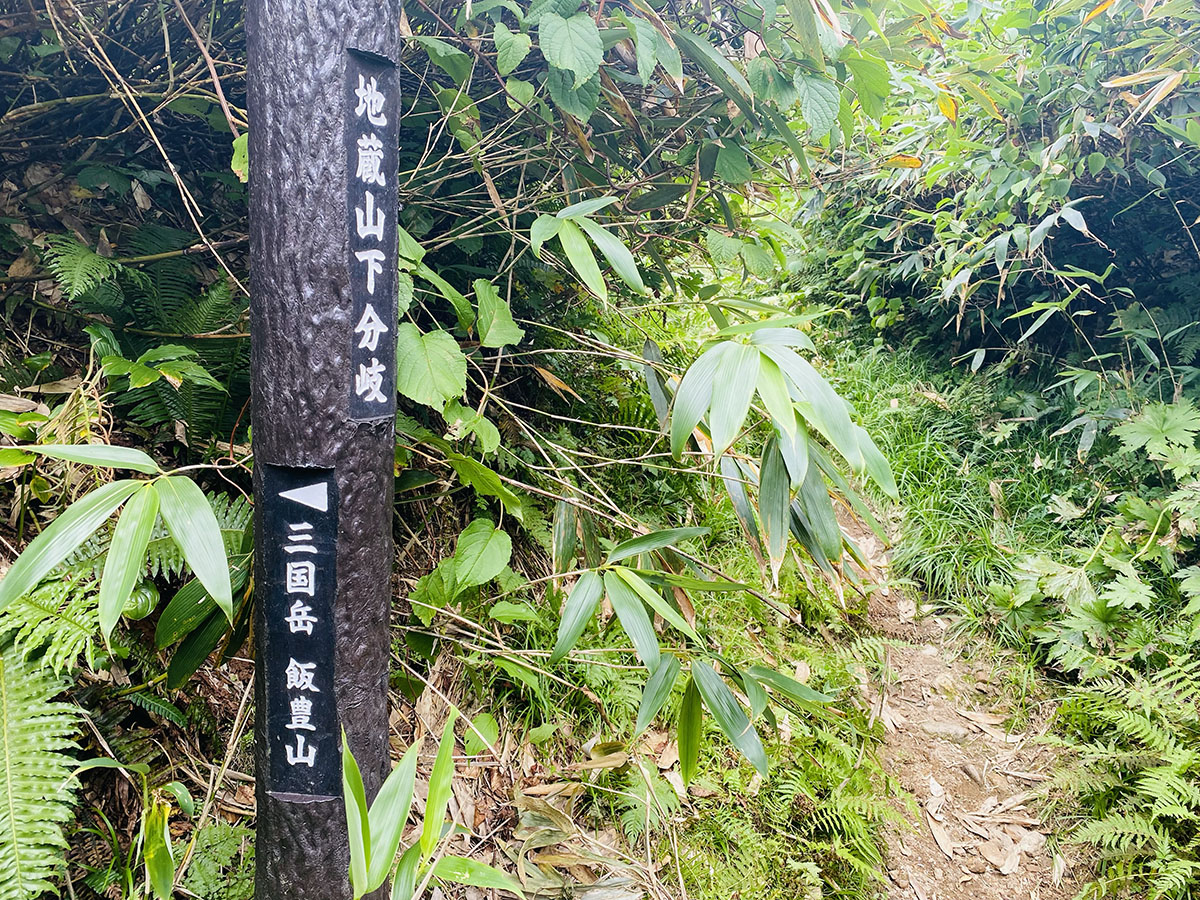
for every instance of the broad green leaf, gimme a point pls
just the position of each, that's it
(404, 886)
(634, 619)
(656, 692)
(581, 604)
(572, 44)
(126, 559)
(737, 375)
(615, 252)
(655, 540)
(511, 48)
(729, 715)
(544, 227)
(483, 733)
(585, 207)
(189, 517)
(105, 455)
(461, 870)
(160, 862)
(723, 249)
(694, 395)
(795, 453)
(578, 100)
(731, 82)
(774, 504)
(734, 480)
(825, 409)
(495, 322)
(804, 29)
(876, 464)
(655, 601)
(410, 250)
(786, 337)
(668, 56)
(871, 80)
(691, 729)
(388, 816)
(788, 686)
(239, 162)
(813, 503)
(759, 260)
(485, 481)
(775, 397)
(564, 539)
(357, 823)
(645, 39)
(62, 536)
(579, 254)
(441, 777)
(482, 553)
(430, 368)
(454, 62)
(463, 311)
(732, 164)
(819, 102)
(769, 83)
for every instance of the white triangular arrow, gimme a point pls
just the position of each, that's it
(315, 496)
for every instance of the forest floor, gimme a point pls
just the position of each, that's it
(974, 830)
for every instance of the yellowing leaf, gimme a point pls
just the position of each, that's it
(903, 161)
(1142, 77)
(1097, 10)
(1159, 93)
(948, 105)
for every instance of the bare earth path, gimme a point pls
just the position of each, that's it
(976, 832)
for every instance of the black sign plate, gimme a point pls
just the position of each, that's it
(372, 159)
(300, 568)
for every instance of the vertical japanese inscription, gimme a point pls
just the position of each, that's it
(299, 565)
(372, 110)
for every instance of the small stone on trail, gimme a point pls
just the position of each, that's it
(977, 865)
(951, 731)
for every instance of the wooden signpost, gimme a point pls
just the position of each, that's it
(324, 103)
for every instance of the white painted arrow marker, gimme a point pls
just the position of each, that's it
(314, 496)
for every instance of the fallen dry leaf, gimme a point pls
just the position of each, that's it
(940, 836)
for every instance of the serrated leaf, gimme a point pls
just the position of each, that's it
(495, 320)
(430, 368)
(482, 553)
(723, 249)
(578, 100)
(572, 44)
(732, 164)
(511, 48)
(819, 102)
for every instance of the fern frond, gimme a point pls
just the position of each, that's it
(160, 707)
(35, 734)
(56, 622)
(77, 268)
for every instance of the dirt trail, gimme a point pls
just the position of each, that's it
(976, 832)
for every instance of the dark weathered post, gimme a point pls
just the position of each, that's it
(323, 103)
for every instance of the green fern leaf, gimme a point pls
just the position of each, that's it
(78, 269)
(35, 734)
